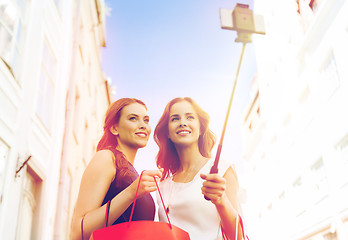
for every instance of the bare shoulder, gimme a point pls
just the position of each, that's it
(104, 161)
(232, 187)
(104, 155)
(231, 176)
(95, 182)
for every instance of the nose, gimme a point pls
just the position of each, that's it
(183, 123)
(142, 125)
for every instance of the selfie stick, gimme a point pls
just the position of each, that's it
(214, 168)
(242, 20)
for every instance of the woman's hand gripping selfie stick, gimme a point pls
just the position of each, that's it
(214, 168)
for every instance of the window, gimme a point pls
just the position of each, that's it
(320, 180)
(297, 196)
(77, 116)
(67, 189)
(58, 4)
(11, 27)
(86, 141)
(329, 75)
(342, 150)
(47, 79)
(297, 183)
(282, 196)
(4, 150)
(330, 236)
(28, 207)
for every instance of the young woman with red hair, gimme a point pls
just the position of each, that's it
(110, 174)
(185, 143)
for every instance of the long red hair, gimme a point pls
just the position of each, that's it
(167, 157)
(109, 141)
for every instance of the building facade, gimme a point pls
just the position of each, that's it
(295, 127)
(52, 89)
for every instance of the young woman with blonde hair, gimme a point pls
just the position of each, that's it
(185, 143)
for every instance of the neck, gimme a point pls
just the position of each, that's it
(189, 157)
(128, 152)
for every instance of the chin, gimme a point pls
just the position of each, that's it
(141, 144)
(184, 143)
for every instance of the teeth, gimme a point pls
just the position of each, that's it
(141, 134)
(183, 132)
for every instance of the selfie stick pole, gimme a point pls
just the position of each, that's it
(242, 20)
(214, 168)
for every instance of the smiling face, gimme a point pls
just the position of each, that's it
(183, 124)
(133, 129)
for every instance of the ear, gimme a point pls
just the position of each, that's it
(114, 130)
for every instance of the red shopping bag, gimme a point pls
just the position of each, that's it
(140, 229)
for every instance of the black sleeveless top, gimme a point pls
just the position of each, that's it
(144, 207)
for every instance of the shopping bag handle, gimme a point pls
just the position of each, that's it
(238, 219)
(164, 207)
(107, 214)
(135, 199)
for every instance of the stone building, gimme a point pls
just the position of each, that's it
(295, 127)
(53, 97)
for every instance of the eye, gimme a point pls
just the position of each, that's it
(190, 117)
(133, 118)
(146, 120)
(174, 119)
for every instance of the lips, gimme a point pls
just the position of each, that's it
(141, 134)
(183, 132)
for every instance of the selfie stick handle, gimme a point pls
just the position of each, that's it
(214, 168)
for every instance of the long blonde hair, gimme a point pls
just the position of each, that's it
(167, 156)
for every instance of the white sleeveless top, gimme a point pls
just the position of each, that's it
(187, 207)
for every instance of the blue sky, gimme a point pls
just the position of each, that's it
(158, 50)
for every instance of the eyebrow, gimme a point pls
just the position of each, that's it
(136, 115)
(186, 114)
